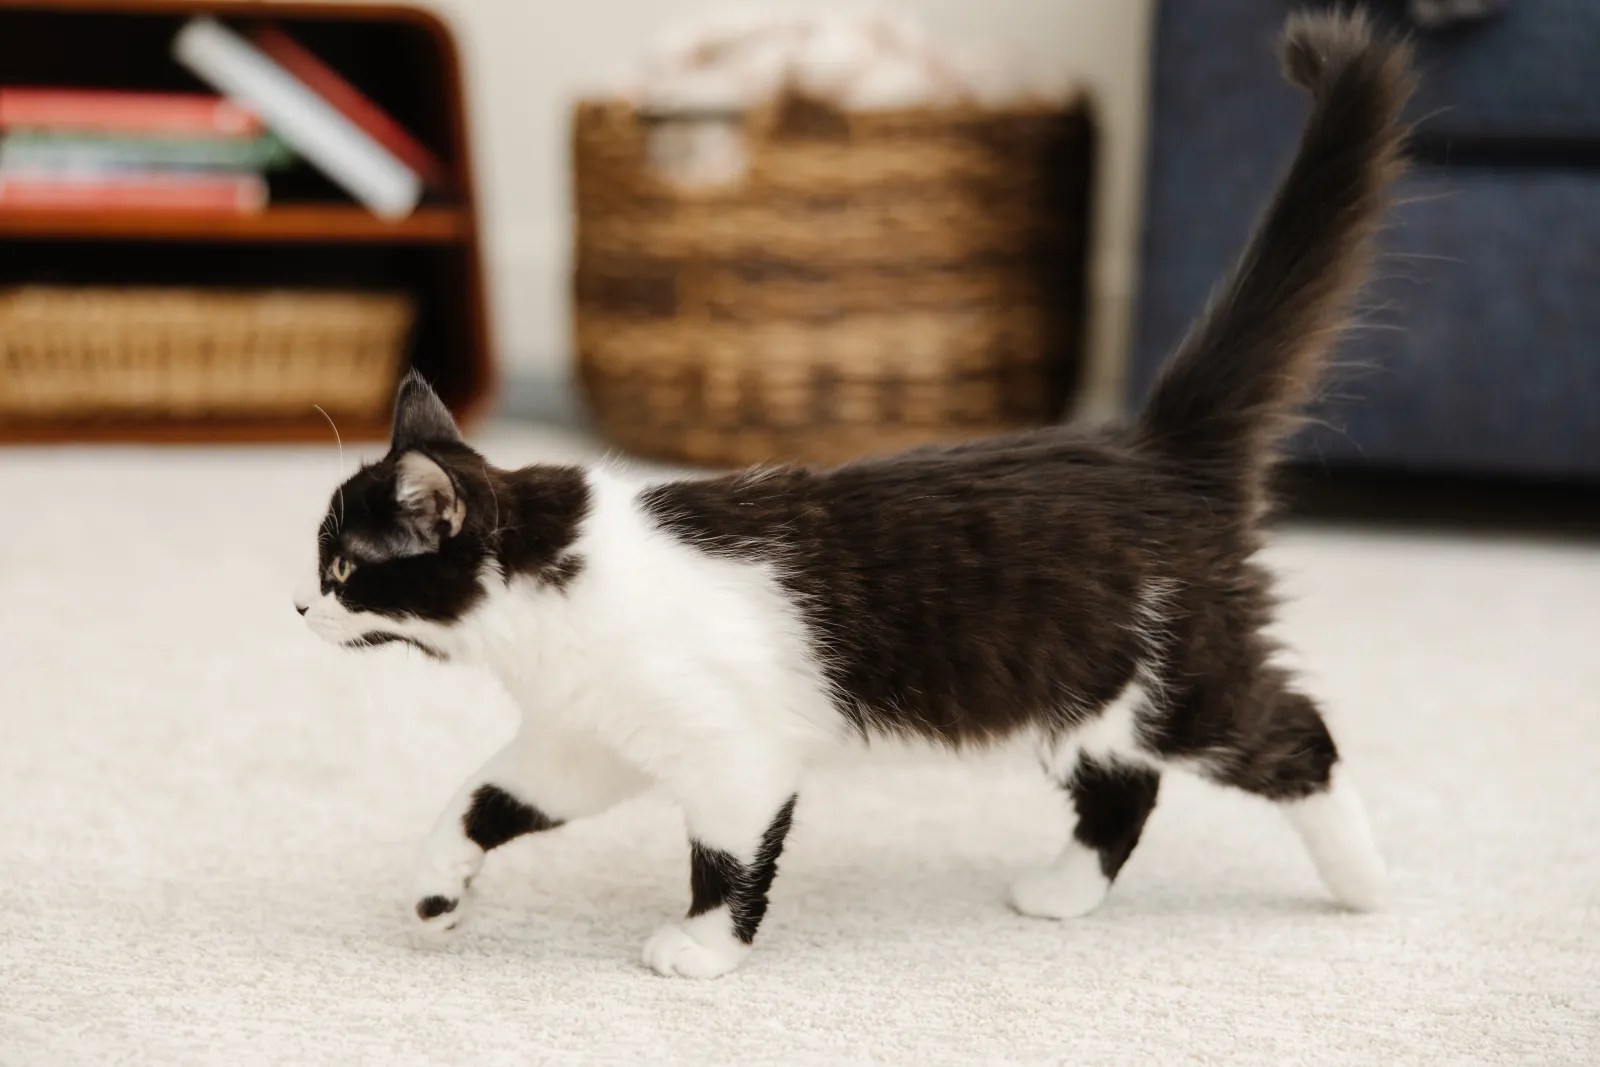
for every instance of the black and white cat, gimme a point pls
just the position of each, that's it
(1091, 593)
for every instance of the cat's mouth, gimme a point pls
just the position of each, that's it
(378, 637)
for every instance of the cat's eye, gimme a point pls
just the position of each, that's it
(339, 570)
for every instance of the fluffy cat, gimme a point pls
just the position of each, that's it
(1091, 592)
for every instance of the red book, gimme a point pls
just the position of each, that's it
(350, 102)
(169, 114)
(223, 194)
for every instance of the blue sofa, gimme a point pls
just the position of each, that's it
(1482, 352)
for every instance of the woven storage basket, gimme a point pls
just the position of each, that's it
(875, 280)
(86, 353)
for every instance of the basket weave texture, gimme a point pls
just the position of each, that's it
(875, 280)
(86, 353)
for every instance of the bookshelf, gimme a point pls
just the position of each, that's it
(311, 235)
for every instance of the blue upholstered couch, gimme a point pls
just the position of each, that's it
(1483, 352)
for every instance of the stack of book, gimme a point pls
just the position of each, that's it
(94, 149)
(324, 118)
(97, 150)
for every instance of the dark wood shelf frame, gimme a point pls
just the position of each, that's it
(188, 431)
(315, 223)
(404, 57)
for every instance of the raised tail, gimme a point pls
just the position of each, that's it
(1230, 393)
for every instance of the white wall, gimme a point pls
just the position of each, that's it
(526, 59)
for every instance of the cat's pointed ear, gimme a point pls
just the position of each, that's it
(430, 504)
(420, 417)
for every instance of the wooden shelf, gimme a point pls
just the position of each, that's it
(189, 431)
(330, 223)
(360, 10)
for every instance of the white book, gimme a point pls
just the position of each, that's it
(317, 130)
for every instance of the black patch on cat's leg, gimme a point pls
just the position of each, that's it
(496, 817)
(433, 907)
(492, 818)
(1287, 754)
(713, 876)
(717, 877)
(753, 903)
(1112, 801)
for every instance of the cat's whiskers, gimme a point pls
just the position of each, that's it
(338, 441)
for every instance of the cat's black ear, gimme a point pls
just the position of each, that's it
(431, 506)
(420, 417)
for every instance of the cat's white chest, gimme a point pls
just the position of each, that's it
(656, 648)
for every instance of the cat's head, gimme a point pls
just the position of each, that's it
(403, 547)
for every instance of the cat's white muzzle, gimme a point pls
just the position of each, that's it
(324, 615)
(338, 625)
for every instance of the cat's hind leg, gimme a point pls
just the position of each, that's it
(1111, 800)
(1288, 756)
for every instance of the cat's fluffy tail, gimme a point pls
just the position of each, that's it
(1230, 393)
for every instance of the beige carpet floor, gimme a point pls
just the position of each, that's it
(206, 818)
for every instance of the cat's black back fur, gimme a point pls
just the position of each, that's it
(961, 593)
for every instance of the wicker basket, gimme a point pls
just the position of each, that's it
(873, 281)
(87, 353)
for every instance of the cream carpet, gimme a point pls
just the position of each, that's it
(208, 817)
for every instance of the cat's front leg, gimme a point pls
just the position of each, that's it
(538, 781)
(736, 831)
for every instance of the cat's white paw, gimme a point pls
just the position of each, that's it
(1075, 886)
(676, 952)
(441, 887)
(1359, 888)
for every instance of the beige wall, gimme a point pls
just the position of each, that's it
(526, 59)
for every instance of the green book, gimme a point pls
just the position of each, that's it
(31, 150)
